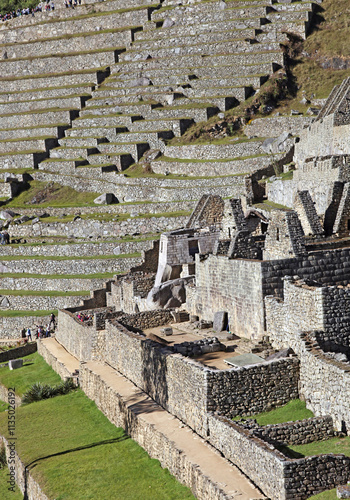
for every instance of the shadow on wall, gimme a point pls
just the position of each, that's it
(154, 373)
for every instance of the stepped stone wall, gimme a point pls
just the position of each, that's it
(36, 303)
(57, 284)
(83, 266)
(97, 229)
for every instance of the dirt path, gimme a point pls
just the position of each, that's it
(197, 451)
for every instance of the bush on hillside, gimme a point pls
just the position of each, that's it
(40, 391)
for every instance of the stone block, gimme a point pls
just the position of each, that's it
(220, 322)
(343, 491)
(167, 331)
(15, 363)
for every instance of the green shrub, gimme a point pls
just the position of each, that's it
(40, 391)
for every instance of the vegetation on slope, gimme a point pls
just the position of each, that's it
(314, 67)
(96, 459)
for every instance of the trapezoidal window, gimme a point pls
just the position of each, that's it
(277, 234)
(193, 247)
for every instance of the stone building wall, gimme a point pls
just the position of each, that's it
(237, 286)
(18, 352)
(324, 382)
(252, 389)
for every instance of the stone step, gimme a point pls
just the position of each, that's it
(44, 81)
(66, 167)
(211, 12)
(137, 108)
(222, 103)
(303, 15)
(238, 93)
(209, 168)
(81, 142)
(27, 144)
(227, 47)
(105, 121)
(241, 81)
(88, 41)
(46, 93)
(38, 118)
(20, 160)
(25, 133)
(66, 62)
(236, 61)
(136, 150)
(93, 22)
(196, 30)
(177, 126)
(73, 102)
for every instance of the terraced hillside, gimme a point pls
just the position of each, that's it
(90, 98)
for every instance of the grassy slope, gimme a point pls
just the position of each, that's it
(35, 370)
(98, 460)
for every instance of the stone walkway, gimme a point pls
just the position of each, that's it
(197, 451)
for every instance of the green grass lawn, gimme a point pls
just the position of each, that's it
(72, 449)
(22, 313)
(292, 411)
(333, 445)
(326, 495)
(34, 370)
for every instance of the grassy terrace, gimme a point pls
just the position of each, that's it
(23, 314)
(292, 411)
(87, 257)
(49, 293)
(96, 459)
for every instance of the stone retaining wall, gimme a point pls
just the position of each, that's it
(36, 303)
(146, 435)
(179, 384)
(83, 266)
(76, 249)
(279, 477)
(18, 352)
(44, 284)
(11, 327)
(96, 229)
(28, 486)
(293, 433)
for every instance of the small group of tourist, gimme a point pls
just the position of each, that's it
(4, 238)
(71, 3)
(84, 317)
(41, 7)
(41, 331)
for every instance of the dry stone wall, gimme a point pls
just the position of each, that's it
(324, 382)
(97, 229)
(11, 328)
